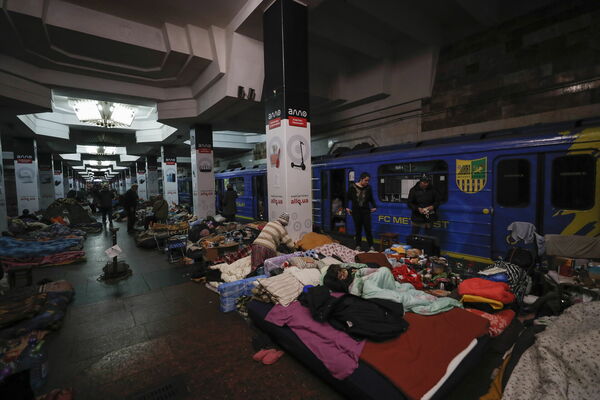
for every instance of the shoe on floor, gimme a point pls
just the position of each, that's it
(358, 248)
(372, 249)
(261, 354)
(272, 356)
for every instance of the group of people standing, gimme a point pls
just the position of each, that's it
(104, 198)
(423, 200)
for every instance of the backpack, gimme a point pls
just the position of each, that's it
(375, 319)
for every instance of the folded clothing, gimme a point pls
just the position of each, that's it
(344, 253)
(498, 291)
(469, 298)
(283, 288)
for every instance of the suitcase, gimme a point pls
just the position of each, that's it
(429, 244)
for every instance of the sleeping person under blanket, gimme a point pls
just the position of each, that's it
(379, 283)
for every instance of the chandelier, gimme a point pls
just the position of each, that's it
(104, 114)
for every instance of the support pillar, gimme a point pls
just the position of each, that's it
(59, 180)
(203, 175)
(127, 179)
(169, 171)
(70, 179)
(287, 114)
(46, 180)
(3, 213)
(26, 176)
(142, 179)
(152, 176)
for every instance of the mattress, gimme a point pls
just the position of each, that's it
(365, 382)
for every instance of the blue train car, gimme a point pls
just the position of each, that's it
(543, 175)
(251, 186)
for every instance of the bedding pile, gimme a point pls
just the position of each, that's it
(14, 253)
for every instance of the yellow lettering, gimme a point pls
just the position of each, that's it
(397, 220)
(384, 218)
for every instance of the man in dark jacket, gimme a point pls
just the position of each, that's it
(361, 196)
(130, 203)
(423, 200)
(229, 204)
(105, 199)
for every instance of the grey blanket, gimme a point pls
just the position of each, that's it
(564, 362)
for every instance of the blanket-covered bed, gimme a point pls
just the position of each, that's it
(13, 248)
(564, 362)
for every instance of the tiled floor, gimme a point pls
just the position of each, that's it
(121, 339)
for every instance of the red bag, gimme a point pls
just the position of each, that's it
(404, 274)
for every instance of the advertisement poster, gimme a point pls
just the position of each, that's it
(152, 176)
(3, 219)
(203, 176)
(169, 169)
(141, 179)
(26, 176)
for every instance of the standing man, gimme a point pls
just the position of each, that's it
(105, 203)
(229, 203)
(130, 203)
(361, 196)
(423, 200)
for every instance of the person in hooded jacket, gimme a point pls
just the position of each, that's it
(229, 203)
(424, 201)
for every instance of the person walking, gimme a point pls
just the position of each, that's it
(424, 201)
(229, 203)
(130, 204)
(360, 195)
(105, 203)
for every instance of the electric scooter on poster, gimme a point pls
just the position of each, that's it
(302, 165)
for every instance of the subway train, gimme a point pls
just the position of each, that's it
(544, 175)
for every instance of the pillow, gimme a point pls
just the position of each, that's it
(303, 262)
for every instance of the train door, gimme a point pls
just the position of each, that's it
(259, 193)
(515, 196)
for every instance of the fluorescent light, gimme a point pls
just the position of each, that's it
(127, 157)
(106, 150)
(122, 114)
(79, 167)
(86, 110)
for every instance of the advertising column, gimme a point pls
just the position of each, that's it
(287, 114)
(127, 179)
(46, 180)
(169, 169)
(152, 176)
(58, 180)
(70, 181)
(3, 218)
(142, 180)
(203, 176)
(26, 175)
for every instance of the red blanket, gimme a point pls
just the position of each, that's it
(416, 360)
(491, 290)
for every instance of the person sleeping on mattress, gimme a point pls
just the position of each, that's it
(379, 283)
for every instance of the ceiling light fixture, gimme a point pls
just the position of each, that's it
(105, 114)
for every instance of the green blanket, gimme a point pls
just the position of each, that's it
(380, 284)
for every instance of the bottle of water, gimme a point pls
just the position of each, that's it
(38, 374)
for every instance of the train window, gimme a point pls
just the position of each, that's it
(513, 187)
(238, 184)
(396, 180)
(573, 182)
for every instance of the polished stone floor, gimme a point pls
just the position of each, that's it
(118, 340)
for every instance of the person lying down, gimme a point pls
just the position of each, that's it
(379, 283)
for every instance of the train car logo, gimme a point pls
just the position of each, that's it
(471, 175)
